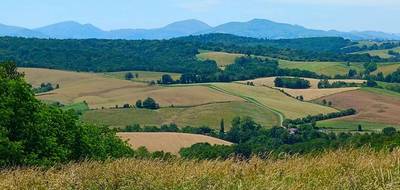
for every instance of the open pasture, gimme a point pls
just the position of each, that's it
(325, 68)
(380, 53)
(196, 116)
(274, 100)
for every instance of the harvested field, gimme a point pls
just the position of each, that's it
(167, 142)
(209, 115)
(372, 106)
(143, 76)
(312, 94)
(107, 92)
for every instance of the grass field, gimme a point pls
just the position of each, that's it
(144, 76)
(349, 125)
(326, 68)
(99, 91)
(381, 53)
(343, 169)
(79, 107)
(223, 59)
(208, 115)
(275, 100)
(373, 105)
(387, 68)
(167, 142)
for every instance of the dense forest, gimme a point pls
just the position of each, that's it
(104, 55)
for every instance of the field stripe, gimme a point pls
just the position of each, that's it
(251, 100)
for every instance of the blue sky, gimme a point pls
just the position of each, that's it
(345, 15)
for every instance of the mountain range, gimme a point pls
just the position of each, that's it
(256, 28)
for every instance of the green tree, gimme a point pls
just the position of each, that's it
(150, 103)
(222, 129)
(139, 104)
(32, 133)
(167, 79)
(352, 73)
(389, 131)
(359, 128)
(128, 76)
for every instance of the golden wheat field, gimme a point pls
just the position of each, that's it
(343, 169)
(167, 142)
(99, 91)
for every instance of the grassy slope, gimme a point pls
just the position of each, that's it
(222, 59)
(326, 68)
(275, 100)
(348, 126)
(345, 169)
(387, 68)
(144, 76)
(381, 53)
(382, 92)
(80, 107)
(209, 115)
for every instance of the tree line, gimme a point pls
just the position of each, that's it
(244, 68)
(320, 117)
(251, 139)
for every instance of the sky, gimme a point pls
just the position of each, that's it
(343, 15)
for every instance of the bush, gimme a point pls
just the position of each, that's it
(389, 131)
(150, 103)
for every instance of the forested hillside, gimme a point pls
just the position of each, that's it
(104, 55)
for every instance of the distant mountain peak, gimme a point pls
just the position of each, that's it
(256, 28)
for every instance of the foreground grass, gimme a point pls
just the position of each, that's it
(352, 169)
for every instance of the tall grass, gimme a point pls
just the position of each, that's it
(343, 169)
